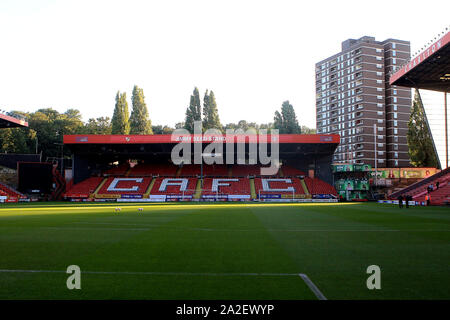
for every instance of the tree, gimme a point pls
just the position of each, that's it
(306, 130)
(69, 122)
(119, 121)
(17, 140)
(278, 122)
(179, 125)
(100, 125)
(159, 129)
(210, 112)
(139, 120)
(46, 123)
(50, 127)
(420, 143)
(193, 112)
(286, 121)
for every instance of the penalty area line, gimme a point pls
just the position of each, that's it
(312, 286)
(206, 274)
(304, 277)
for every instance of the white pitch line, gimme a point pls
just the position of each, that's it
(305, 278)
(211, 274)
(312, 286)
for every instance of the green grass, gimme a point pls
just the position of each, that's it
(203, 251)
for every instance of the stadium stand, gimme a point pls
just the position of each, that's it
(316, 186)
(157, 169)
(119, 170)
(144, 180)
(216, 170)
(242, 186)
(442, 195)
(84, 188)
(10, 192)
(418, 190)
(289, 171)
(173, 186)
(125, 185)
(190, 170)
(275, 186)
(246, 170)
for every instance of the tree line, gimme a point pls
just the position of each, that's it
(420, 141)
(46, 127)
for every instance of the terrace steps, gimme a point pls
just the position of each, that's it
(305, 188)
(252, 188)
(198, 190)
(98, 188)
(149, 189)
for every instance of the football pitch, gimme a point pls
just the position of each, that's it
(224, 251)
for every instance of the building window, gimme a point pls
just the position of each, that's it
(395, 91)
(393, 45)
(395, 99)
(394, 53)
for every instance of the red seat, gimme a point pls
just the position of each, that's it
(241, 187)
(295, 183)
(146, 169)
(84, 188)
(175, 190)
(10, 192)
(140, 186)
(248, 170)
(317, 186)
(291, 171)
(419, 190)
(119, 170)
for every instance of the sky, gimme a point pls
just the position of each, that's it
(253, 54)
